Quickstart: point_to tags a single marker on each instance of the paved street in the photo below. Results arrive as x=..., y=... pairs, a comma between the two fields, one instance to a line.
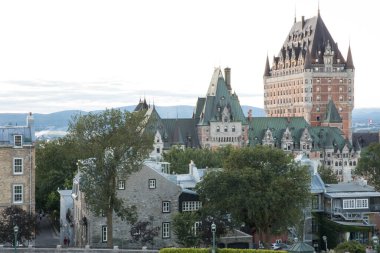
x=46, y=236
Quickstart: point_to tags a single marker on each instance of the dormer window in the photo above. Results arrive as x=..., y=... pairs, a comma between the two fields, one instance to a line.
x=18, y=140
x=218, y=129
x=233, y=129
x=225, y=129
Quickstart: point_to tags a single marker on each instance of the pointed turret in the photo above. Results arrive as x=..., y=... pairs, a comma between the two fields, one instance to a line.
x=332, y=114
x=267, y=68
x=349, y=63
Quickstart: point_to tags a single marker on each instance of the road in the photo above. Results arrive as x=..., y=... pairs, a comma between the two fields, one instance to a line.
x=47, y=237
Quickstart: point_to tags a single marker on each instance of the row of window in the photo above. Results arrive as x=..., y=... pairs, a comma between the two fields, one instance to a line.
x=355, y=203
x=225, y=129
x=165, y=231
x=151, y=184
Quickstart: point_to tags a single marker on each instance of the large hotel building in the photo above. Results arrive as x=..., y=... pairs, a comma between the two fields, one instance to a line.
x=308, y=73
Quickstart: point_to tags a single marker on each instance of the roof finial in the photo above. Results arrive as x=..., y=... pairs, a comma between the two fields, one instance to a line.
x=295, y=12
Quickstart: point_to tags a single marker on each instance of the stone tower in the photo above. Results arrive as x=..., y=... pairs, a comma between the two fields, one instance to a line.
x=307, y=74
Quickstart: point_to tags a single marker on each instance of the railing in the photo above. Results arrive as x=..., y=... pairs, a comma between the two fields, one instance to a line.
x=348, y=215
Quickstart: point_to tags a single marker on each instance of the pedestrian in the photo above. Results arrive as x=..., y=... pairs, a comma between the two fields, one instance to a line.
x=68, y=242
x=65, y=241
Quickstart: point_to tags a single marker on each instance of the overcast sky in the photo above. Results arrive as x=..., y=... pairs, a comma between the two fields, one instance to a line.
x=89, y=55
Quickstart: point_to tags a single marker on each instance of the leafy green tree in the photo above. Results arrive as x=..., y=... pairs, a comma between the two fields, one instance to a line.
x=56, y=163
x=188, y=235
x=261, y=187
x=179, y=159
x=327, y=174
x=144, y=232
x=12, y=216
x=369, y=165
x=350, y=246
x=115, y=143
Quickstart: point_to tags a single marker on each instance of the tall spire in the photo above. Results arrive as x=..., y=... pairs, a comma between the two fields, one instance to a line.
x=319, y=12
x=267, y=68
x=349, y=62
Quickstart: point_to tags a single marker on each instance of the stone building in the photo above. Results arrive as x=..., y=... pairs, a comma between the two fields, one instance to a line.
x=17, y=165
x=308, y=73
x=157, y=196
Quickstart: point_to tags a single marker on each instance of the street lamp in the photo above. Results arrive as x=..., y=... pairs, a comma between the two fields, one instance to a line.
x=375, y=240
x=15, y=231
x=213, y=230
x=325, y=240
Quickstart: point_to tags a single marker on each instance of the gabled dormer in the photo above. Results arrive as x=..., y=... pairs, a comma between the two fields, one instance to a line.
x=268, y=138
x=306, y=140
x=287, y=142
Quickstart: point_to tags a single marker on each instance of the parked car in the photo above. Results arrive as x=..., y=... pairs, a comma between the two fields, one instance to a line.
x=279, y=246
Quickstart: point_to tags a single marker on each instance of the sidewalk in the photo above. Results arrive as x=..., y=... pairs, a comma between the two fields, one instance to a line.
x=47, y=236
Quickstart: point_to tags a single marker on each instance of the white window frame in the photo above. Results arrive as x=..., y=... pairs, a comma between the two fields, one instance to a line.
x=18, y=166
x=361, y=203
x=121, y=185
x=349, y=204
x=14, y=194
x=19, y=142
x=166, y=206
x=188, y=206
x=152, y=183
x=104, y=234
x=165, y=230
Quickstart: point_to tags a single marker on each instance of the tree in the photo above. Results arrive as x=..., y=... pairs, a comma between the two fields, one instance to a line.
x=12, y=216
x=261, y=187
x=56, y=163
x=115, y=143
x=144, y=231
x=369, y=165
x=350, y=246
x=179, y=159
x=184, y=227
x=327, y=175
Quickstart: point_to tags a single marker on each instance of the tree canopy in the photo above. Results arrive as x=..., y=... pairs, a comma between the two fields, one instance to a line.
x=327, y=175
x=115, y=144
x=56, y=163
x=261, y=187
x=179, y=158
x=12, y=216
x=369, y=165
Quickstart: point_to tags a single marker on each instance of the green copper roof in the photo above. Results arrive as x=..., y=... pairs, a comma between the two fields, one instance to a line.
x=218, y=98
x=322, y=137
x=332, y=114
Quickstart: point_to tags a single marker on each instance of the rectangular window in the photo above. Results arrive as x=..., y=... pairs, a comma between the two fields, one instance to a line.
x=121, y=184
x=348, y=204
x=17, y=166
x=152, y=183
x=166, y=206
x=18, y=140
x=17, y=193
x=188, y=206
x=361, y=203
x=104, y=234
x=166, y=230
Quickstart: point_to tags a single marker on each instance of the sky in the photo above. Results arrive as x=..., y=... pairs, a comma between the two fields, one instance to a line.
x=96, y=54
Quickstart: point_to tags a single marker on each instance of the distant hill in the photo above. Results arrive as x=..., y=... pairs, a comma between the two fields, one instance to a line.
x=58, y=121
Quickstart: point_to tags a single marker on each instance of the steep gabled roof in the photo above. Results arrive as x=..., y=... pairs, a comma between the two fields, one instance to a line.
x=218, y=97
x=332, y=114
x=267, y=68
x=311, y=34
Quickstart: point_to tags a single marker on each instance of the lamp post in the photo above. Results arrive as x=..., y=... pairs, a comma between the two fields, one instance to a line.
x=375, y=240
x=213, y=230
x=325, y=240
x=15, y=231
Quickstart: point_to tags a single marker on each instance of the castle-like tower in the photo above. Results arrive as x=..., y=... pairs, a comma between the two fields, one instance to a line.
x=308, y=74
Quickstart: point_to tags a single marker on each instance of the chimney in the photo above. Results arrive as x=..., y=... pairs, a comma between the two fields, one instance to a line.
x=249, y=114
x=191, y=166
x=303, y=22
x=30, y=125
x=227, y=76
